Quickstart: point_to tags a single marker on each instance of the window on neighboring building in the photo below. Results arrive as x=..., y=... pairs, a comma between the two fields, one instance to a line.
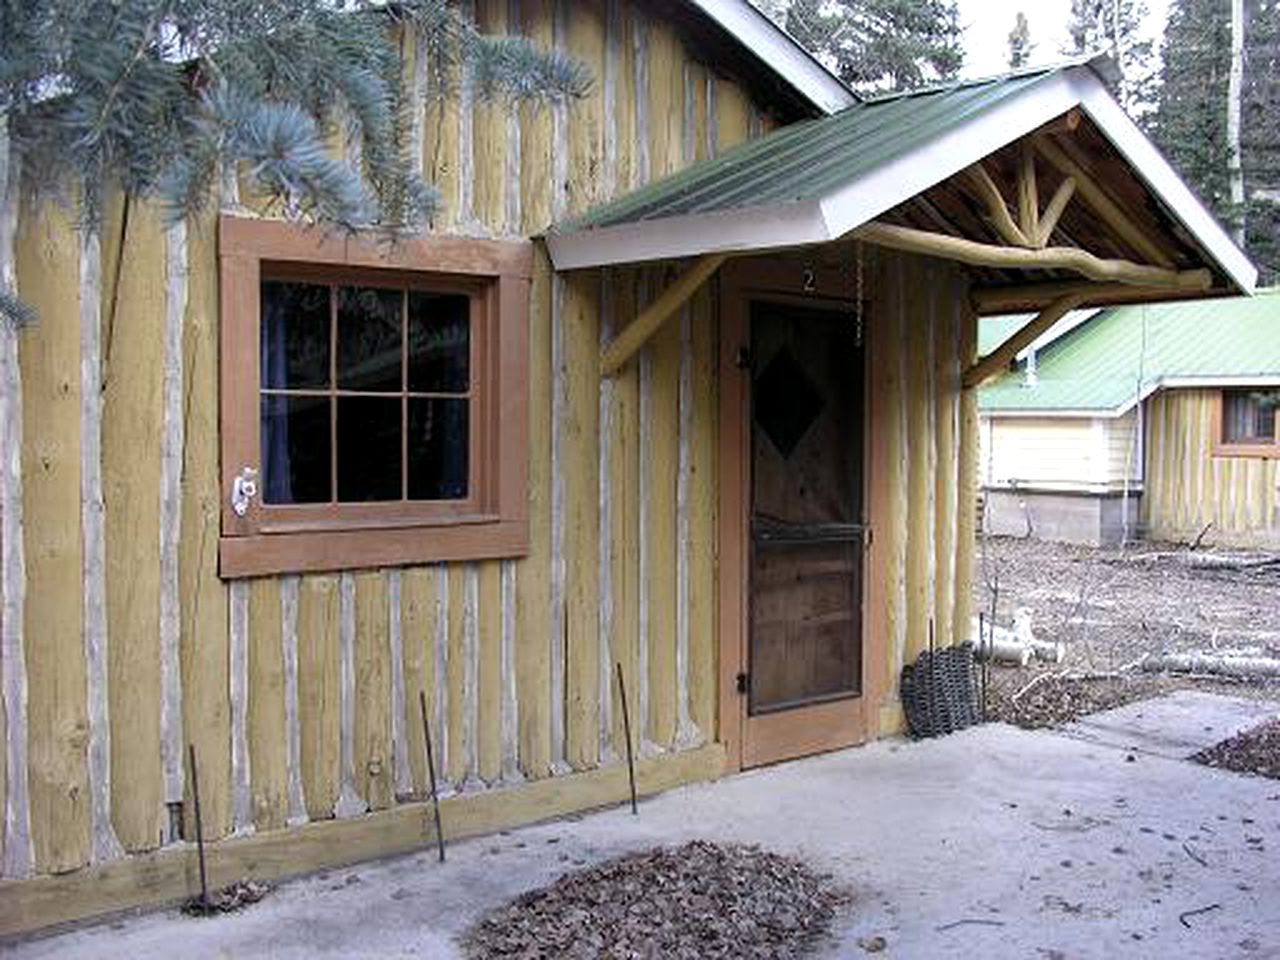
x=371, y=399
x=1248, y=424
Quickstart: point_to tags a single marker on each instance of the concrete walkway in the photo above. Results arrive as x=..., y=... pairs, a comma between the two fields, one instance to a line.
x=995, y=842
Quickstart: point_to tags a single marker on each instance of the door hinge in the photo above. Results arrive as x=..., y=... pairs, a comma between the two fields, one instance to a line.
x=742, y=683
x=743, y=360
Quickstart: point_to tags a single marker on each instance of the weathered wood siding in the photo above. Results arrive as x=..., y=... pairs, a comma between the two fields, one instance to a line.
x=1187, y=487
x=300, y=694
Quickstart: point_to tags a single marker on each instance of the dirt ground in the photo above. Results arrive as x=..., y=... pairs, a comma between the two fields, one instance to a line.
x=1113, y=607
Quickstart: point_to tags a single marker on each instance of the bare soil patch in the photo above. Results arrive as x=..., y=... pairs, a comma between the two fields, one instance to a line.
x=1253, y=751
x=698, y=900
x=1112, y=608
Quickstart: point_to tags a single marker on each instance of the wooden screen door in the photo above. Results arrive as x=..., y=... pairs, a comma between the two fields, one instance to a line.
x=805, y=544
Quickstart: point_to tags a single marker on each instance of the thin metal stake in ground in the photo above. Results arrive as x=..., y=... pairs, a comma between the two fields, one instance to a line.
x=431, y=773
x=626, y=734
x=195, y=799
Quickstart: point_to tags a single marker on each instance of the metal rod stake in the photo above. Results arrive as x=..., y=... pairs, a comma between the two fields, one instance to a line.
x=431, y=773
x=195, y=799
x=626, y=733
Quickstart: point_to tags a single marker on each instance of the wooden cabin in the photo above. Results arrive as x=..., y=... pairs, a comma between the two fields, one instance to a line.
x=681, y=380
x=1154, y=420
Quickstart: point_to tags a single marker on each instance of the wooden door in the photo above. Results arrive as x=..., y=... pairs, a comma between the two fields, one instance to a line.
x=804, y=651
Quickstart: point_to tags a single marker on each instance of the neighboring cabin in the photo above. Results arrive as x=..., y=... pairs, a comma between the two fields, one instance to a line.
x=1166, y=410
x=718, y=428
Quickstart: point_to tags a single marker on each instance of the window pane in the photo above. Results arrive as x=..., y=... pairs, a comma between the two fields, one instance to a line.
x=295, y=449
x=1248, y=416
x=438, y=442
x=295, y=335
x=368, y=448
x=369, y=341
x=439, y=342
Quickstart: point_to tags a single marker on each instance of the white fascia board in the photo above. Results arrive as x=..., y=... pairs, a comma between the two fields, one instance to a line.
x=780, y=52
x=731, y=231
x=1161, y=178
x=1063, y=414
x=1198, y=383
x=892, y=183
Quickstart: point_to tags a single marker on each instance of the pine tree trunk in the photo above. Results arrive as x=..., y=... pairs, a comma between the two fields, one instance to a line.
x=1235, y=94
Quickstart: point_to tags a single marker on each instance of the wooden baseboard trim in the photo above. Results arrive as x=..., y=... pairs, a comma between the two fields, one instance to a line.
x=171, y=875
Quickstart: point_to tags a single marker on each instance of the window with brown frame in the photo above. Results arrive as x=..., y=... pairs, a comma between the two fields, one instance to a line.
x=373, y=399
x=1247, y=423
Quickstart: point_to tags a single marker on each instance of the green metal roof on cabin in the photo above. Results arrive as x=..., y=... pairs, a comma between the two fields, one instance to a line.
x=1097, y=366
x=807, y=160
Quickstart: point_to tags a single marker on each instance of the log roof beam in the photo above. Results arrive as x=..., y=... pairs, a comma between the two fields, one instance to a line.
x=1074, y=259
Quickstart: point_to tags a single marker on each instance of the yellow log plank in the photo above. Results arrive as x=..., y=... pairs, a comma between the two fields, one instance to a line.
x=319, y=696
x=624, y=103
x=132, y=419
x=440, y=157
x=666, y=99
x=533, y=585
x=586, y=115
x=268, y=772
x=663, y=455
x=489, y=688
x=580, y=466
x=48, y=279
x=946, y=378
x=456, y=754
x=418, y=593
x=732, y=114
x=374, y=779
x=967, y=480
x=202, y=597
x=173, y=874
x=624, y=519
x=535, y=131
x=894, y=523
x=703, y=491
x=919, y=439
x=490, y=133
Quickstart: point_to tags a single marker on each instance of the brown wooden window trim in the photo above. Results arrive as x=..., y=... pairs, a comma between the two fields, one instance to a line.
x=492, y=521
x=1222, y=448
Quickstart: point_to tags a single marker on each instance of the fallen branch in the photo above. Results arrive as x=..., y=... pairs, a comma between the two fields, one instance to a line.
x=1001, y=649
x=1182, y=917
x=979, y=921
x=1213, y=665
x=1190, y=852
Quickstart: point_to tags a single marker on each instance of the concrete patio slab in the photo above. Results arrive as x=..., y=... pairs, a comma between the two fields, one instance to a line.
x=1176, y=726
x=994, y=842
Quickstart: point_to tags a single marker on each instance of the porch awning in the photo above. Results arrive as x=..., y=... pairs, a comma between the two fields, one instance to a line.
x=898, y=160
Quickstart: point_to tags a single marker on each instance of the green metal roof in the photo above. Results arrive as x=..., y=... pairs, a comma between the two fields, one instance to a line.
x=807, y=160
x=1124, y=352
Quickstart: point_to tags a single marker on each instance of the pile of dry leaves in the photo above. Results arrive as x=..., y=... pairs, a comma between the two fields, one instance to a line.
x=1254, y=751
x=700, y=900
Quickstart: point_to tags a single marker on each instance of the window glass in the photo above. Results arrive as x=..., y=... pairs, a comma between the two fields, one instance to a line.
x=438, y=449
x=439, y=342
x=295, y=335
x=370, y=343
x=295, y=448
x=369, y=448
x=1249, y=416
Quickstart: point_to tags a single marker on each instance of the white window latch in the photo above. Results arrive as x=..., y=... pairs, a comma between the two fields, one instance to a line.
x=243, y=489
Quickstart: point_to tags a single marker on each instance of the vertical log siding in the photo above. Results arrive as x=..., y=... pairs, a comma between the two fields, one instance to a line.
x=301, y=694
